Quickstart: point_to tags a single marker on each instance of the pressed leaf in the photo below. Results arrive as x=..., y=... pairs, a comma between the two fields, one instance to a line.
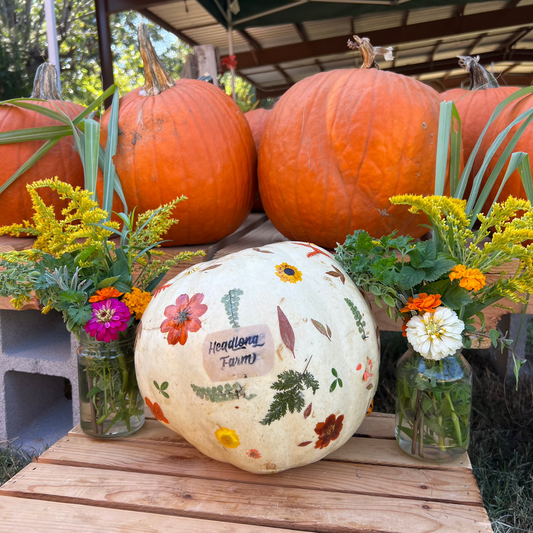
x=329, y=331
x=211, y=267
x=333, y=386
x=334, y=372
x=263, y=251
x=320, y=328
x=308, y=410
x=286, y=331
x=336, y=273
x=306, y=443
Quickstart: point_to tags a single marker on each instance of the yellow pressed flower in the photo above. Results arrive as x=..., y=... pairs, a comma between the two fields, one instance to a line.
x=227, y=437
x=286, y=272
x=137, y=301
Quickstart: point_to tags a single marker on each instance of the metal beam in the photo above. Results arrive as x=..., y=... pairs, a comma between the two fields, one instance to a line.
x=104, y=46
x=166, y=26
x=475, y=44
x=302, y=33
x=116, y=6
x=479, y=22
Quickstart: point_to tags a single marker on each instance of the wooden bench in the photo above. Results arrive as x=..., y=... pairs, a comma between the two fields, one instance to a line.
x=154, y=481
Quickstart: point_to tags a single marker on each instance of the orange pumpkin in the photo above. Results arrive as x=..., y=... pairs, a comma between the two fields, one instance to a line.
x=514, y=186
x=62, y=160
x=477, y=104
x=257, y=119
x=338, y=145
x=185, y=138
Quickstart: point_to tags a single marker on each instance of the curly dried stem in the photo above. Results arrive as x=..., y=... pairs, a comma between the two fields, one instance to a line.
x=369, y=52
x=156, y=77
x=45, y=83
x=479, y=77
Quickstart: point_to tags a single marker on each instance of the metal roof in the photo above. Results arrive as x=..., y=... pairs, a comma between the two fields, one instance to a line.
x=426, y=40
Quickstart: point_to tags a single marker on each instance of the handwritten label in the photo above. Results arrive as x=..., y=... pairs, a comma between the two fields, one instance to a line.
x=238, y=353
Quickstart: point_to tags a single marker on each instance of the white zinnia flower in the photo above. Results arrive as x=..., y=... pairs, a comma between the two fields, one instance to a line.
x=436, y=335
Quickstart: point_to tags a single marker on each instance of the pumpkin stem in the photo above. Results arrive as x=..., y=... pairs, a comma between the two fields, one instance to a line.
x=156, y=78
x=479, y=77
x=45, y=83
x=369, y=52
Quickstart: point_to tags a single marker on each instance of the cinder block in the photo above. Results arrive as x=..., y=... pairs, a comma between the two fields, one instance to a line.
x=503, y=361
x=39, y=400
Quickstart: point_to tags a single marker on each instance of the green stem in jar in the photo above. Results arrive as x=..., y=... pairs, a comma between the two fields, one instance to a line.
x=455, y=420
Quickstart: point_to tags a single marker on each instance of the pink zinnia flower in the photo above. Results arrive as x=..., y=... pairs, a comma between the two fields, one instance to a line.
x=109, y=317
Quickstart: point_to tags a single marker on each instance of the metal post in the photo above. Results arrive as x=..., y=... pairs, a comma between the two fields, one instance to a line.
x=51, y=36
x=104, y=46
x=232, y=70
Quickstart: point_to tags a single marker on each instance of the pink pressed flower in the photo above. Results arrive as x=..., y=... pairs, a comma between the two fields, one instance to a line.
x=109, y=317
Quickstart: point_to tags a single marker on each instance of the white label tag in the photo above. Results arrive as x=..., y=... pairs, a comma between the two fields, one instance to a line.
x=238, y=353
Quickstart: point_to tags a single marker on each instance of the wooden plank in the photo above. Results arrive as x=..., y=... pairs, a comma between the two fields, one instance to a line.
x=21, y=515
x=264, y=234
x=319, y=511
x=436, y=485
x=378, y=426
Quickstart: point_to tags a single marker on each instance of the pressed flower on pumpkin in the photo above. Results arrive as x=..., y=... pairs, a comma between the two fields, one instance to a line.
x=328, y=430
x=254, y=454
x=156, y=410
x=108, y=319
x=423, y=304
x=104, y=294
x=183, y=318
x=137, y=301
x=471, y=279
x=286, y=272
x=227, y=437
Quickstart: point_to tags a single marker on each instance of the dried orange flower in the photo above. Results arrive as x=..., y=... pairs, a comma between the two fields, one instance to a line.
x=423, y=304
x=470, y=279
x=105, y=294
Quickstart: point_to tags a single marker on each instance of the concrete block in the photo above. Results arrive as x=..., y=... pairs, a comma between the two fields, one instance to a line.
x=39, y=400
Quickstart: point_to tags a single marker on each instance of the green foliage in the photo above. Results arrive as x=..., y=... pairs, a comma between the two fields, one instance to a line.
x=231, y=304
x=23, y=47
x=336, y=381
x=290, y=386
x=222, y=393
x=244, y=92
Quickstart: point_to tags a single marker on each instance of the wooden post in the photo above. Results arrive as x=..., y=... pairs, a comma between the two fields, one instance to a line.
x=104, y=46
x=203, y=61
x=51, y=36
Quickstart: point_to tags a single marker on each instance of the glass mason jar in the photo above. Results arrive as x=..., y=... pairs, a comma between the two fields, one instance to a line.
x=433, y=404
x=110, y=402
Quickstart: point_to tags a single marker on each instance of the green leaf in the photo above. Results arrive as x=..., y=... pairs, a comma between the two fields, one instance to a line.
x=110, y=173
x=387, y=298
x=494, y=335
x=164, y=386
x=92, y=392
x=333, y=386
x=25, y=103
x=409, y=277
x=165, y=394
x=92, y=144
x=334, y=372
x=424, y=255
x=46, y=147
x=440, y=267
x=455, y=297
x=156, y=385
x=34, y=134
x=340, y=382
x=108, y=282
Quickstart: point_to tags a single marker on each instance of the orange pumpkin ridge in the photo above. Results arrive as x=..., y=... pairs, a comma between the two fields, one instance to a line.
x=189, y=139
x=338, y=145
x=62, y=160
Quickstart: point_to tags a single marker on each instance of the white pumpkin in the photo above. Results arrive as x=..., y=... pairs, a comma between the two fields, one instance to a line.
x=266, y=359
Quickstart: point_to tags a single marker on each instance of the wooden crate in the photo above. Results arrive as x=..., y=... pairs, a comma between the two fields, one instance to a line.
x=155, y=481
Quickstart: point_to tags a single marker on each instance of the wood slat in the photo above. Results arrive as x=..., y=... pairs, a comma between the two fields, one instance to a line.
x=265, y=234
x=333, y=476
x=20, y=515
x=312, y=510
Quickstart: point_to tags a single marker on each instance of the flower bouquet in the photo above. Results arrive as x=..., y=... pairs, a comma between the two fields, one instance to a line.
x=101, y=287
x=439, y=288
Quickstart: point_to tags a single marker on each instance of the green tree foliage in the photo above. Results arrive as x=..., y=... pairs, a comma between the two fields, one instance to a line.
x=23, y=48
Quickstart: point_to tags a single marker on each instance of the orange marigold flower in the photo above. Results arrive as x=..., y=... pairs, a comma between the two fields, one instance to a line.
x=471, y=279
x=423, y=304
x=105, y=294
x=404, y=329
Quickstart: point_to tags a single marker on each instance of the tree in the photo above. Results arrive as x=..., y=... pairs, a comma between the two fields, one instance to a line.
x=23, y=48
